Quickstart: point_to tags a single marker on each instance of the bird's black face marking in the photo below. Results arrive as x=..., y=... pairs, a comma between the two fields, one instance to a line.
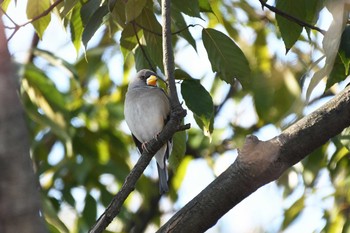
x=145, y=74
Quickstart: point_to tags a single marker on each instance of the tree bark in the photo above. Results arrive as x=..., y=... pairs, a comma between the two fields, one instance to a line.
x=259, y=163
x=19, y=197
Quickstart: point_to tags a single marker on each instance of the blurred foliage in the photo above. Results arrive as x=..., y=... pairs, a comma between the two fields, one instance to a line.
x=81, y=150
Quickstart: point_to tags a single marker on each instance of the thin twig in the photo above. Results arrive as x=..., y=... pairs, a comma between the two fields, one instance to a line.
x=160, y=34
x=147, y=29
x=290, y=17
x=128, y=186
x=44, y=13
x=18, y=26
x=141, y=47
x=168, y=56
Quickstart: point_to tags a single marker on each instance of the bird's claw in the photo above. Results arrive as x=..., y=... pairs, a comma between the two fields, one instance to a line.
x=144, y=147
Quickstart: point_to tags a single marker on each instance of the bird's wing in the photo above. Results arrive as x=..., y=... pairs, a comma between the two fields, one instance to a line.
x=138, y=143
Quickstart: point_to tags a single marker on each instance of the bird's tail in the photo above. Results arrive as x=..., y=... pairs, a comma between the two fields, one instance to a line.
x=163, y=179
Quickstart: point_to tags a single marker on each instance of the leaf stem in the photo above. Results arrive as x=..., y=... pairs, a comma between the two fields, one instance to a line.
x=290, y=17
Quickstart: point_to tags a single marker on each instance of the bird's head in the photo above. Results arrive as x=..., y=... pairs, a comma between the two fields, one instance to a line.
x=144, y=77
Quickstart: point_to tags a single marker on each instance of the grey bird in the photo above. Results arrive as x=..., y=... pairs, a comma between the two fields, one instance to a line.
x=146, y=111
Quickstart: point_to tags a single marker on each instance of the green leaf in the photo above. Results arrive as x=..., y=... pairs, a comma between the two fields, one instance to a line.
x=312, y=10
x=118, y=14
x=51, y=215
x=293, y=212
x=34, y=9
x=188, y=7
x=181, y=75
x=58, y=62
x=344, y=49
x=199, y=101
x=141, y=61
x=39, y=93
x=179, y=25
x=76, y=28
x=338, y=73
x=88, y=9
x=205, y=6
x=151, y=40
x=226, y=57
x=313, y=163
x=90, y=209
x=133, y=9
x=5, y=4
x=94, y=23
x=290, y=31
x=37, y=79
x=69, y=6
x=128, y=39
x=181, y=172
x=179, y=149
x=344, y=138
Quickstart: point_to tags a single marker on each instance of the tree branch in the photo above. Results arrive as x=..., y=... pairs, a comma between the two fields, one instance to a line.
x=173, y=125
x=290, y=17
x=168, y=56
x=160, y=34
x=259, y=163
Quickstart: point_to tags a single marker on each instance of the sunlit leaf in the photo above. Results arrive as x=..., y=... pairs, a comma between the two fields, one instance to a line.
x=76, y=29
x=204, y=6
x=38, y=80
x=128, y=38
x=34, y=9
x=293, y=212
x=51, y=216
x=313, y=163
x=199, y=101
x=179, y=149
x=58, y=62
x=69, y=6
x=226, y=57
x=181, y=172
x=344, y=137
x=5, y=4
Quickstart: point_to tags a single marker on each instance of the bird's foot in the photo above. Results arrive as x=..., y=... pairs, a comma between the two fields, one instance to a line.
x=144, y=147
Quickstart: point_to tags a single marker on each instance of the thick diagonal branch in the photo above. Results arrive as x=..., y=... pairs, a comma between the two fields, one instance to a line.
x=259, y=163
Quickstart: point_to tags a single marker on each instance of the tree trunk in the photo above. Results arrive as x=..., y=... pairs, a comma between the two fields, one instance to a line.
x=19, y=196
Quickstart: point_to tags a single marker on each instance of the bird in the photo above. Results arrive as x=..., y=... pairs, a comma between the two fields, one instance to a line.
x=146, y=111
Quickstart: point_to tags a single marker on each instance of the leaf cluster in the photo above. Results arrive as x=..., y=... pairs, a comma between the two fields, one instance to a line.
x=80, y=146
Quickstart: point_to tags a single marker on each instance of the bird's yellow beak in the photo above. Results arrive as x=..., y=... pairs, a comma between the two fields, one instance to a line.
x=152, y=81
